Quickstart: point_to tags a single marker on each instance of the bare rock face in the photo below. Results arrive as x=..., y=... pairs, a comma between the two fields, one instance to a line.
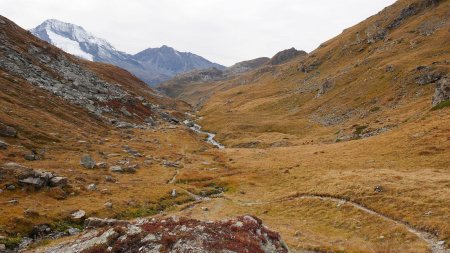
x=242, y=234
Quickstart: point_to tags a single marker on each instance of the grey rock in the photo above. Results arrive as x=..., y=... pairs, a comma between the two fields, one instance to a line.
x=325, y=87
x=110, y=179
x=442, y=91
x=2, y=247
x=117, y=169
x=426, y=75
x=3, y=145
x=10, y=187
x=169, y=118
x=132, y=152
x=13, y=202
x=32, y=156
x=92, y=187
x=378, y=188
x=93, y=222
x=73, y=231
x=124, y=110
x=87, y=161
x=124, y=125
x=108, y=205
x=150, y=121
x=7, y=131
x=58, y=181
x=173, y=193
x=167, y=163
x=32, y=181
x=78, y=215
x=102, y=165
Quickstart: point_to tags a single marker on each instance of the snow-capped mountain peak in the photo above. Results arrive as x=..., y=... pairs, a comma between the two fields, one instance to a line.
x=152, y=65
x=73, y=39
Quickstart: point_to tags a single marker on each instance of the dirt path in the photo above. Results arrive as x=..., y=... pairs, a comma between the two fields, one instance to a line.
x=174, y=178
x=433, y=242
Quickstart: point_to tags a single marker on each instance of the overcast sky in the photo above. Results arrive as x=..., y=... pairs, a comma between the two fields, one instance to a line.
x=223, y=31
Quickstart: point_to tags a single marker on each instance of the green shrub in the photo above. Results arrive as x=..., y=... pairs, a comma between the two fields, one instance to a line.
x=441, y=105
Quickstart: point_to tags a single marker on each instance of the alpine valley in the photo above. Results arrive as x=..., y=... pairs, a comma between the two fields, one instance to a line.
x=342, y=149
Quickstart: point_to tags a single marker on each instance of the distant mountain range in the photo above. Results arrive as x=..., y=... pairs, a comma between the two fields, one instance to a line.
x=152, y=65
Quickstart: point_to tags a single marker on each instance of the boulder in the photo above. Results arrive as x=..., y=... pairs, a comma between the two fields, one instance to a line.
x=78, y=215
x=7, y=131
x=93, y=222
x=35, y=182
x=58, y=182
x=87, y=161
x=31, y=156
x=108, y=205
x=10, y=187
x=3, y=145
x=102, y=165
x=117, y=169
x=92, y=187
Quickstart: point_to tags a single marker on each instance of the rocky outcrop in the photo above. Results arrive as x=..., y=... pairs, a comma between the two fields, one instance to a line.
x=242, y=234
x=286, y=55
x=325, y=87
x=16, y=174
x=442, y=91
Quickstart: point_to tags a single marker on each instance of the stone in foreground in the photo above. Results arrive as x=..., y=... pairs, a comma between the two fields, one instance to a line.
x=242, y=234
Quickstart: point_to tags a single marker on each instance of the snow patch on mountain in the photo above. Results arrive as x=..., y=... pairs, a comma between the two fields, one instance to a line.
x=68, y=45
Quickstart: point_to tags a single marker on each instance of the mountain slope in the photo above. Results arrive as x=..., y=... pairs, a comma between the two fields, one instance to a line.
x=77, y=135
x=356, y=119
x=152, y=65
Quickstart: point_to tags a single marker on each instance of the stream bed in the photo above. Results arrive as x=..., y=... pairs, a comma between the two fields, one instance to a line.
x=198, y=129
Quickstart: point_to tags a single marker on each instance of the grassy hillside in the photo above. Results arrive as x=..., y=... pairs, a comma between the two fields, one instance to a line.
x=355, y=120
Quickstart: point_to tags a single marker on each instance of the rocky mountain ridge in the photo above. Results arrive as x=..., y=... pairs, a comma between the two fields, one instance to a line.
x=152, y=65
x=175, y=86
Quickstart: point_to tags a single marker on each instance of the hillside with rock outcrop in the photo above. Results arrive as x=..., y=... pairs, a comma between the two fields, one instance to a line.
x=242, y=234
x=395, y=62
x=81, y=139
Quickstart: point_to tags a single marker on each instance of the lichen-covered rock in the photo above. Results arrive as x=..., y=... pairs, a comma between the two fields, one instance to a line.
x=242, y=234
